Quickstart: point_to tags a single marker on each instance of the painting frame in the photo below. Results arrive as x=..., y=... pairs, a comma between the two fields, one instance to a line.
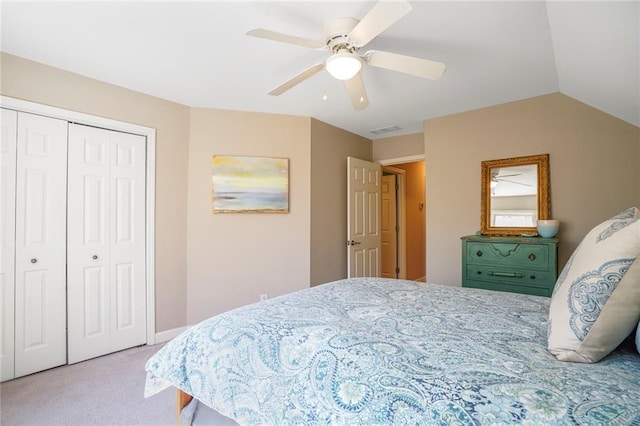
x=249, y=184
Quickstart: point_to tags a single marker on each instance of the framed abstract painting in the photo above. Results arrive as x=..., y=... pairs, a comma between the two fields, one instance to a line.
x=243, y=184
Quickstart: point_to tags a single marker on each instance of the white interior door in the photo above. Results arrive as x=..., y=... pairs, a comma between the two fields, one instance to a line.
x=389, y=228
x=106, y=242
x=363, y=218
x=9, y=121
x=40, y=281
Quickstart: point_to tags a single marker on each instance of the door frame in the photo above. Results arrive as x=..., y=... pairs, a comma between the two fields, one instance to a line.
x=109, y=124
x=388, y=165
x=401, y=218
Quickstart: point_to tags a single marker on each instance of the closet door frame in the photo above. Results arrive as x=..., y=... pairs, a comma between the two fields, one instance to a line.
x=150, y=134
x=8, y=172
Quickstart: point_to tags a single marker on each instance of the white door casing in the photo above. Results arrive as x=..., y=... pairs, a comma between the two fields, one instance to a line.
x=401, y=219
x=363, y=218
x=40, y=275
x=388, y=166
x=9, y=121
x=388, y=228
x=106, y=242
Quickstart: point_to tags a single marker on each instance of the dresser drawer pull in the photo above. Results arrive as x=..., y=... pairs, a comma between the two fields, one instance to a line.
x=479, y=253
x=532, y=257
x=506, y=274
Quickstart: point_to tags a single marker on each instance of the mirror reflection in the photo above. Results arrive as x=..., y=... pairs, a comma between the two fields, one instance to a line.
x=515, y=194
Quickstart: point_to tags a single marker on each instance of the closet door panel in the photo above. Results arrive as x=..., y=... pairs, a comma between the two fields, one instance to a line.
x=40, y=275
x=8, y=137
x=109, y=213
x=88, y=243
x=95, y=303
x=127, y=236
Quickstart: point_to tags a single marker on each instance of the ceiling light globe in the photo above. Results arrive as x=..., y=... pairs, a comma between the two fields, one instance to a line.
x=343, y=65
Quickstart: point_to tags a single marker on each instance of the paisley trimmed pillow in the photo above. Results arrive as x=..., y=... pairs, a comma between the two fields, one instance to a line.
x=638, y=338
x=596, y=300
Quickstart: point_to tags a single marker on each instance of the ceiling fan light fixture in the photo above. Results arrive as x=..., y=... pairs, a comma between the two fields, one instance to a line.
x=343, y=65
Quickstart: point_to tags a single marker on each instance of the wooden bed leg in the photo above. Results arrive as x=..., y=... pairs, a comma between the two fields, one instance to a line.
x=182, y=399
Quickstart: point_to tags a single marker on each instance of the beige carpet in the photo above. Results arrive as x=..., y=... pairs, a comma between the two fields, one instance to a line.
x=102, y=391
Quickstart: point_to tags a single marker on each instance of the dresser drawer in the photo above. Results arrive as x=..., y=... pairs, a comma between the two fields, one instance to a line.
x=515, y=264
x=511, y=276
x=517, y=255
x=523, y=289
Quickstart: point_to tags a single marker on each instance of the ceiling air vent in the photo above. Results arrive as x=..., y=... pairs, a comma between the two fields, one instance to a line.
x=383, y=130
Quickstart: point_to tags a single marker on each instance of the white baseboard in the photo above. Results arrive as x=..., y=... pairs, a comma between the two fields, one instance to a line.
x=165, y=336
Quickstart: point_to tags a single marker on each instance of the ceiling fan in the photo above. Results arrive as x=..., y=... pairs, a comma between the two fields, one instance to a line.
x=496, y=178
x=343, y=38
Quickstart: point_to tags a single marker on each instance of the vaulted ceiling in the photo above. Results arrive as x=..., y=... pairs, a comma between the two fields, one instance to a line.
x=197, y=54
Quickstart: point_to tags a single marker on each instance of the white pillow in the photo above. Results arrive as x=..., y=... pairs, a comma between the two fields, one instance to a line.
x=596, y=300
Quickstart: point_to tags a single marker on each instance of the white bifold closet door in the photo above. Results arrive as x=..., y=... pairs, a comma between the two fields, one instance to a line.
x=106, y=242
x=33, y=258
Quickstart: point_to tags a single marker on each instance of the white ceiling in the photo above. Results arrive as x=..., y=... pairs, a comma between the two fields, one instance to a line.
x=197, y=54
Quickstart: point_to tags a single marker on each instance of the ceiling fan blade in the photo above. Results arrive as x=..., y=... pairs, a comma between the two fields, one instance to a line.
x=406, y=64
x=513, y=181
x=357, y=93
x=297, y=79
x=511, y=175
x=380, y=17
x=285, y=38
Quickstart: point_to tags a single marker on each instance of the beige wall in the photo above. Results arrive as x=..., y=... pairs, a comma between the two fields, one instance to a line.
x=42, y=84
x=233, y=258
x=398, y=147
x=330, y=148
x=415, y=236
x=595, y=172
x=594, y=159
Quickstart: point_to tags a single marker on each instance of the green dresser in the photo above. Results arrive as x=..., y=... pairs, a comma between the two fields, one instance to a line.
x=517, y=264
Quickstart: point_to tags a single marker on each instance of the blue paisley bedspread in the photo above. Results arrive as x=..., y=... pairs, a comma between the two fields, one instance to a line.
x=375, y=351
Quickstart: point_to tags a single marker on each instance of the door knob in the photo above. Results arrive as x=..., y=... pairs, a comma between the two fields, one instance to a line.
x=34, y=260
x=353, y=242
x=95, y=256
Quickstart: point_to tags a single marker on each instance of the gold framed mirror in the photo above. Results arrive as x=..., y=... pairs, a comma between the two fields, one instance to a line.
x=514, y=195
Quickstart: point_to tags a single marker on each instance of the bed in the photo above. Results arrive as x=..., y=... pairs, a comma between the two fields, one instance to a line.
x=381, y=351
